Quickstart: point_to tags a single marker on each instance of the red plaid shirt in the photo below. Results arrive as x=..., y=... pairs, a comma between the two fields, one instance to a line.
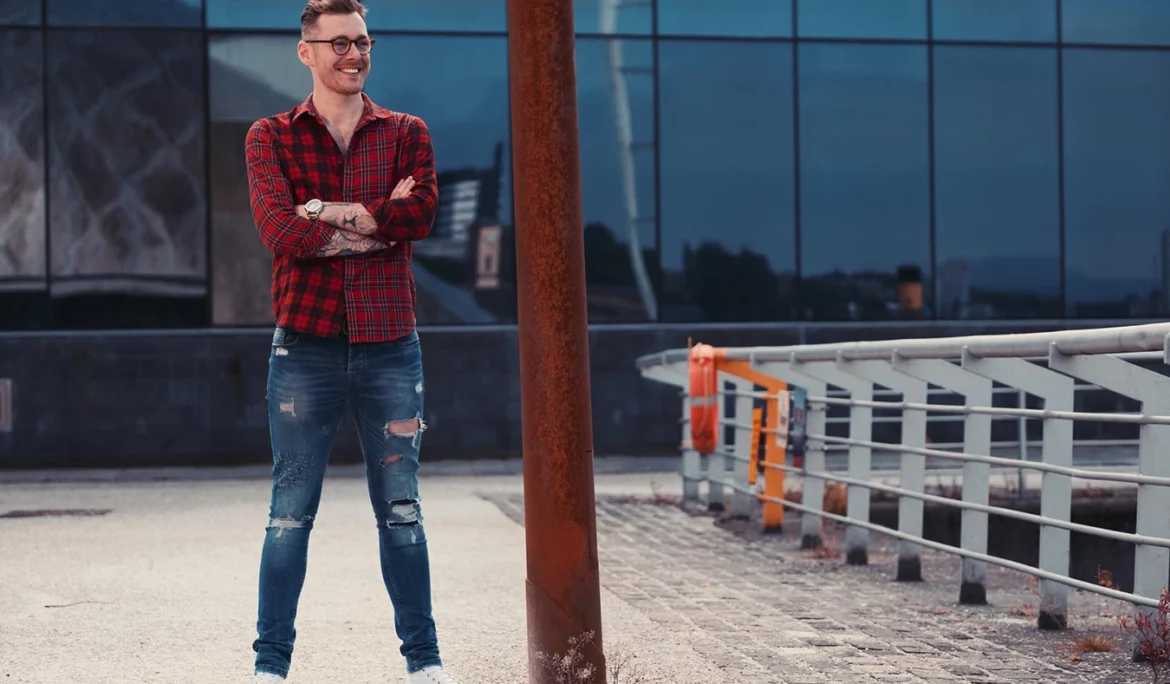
x=291, y=159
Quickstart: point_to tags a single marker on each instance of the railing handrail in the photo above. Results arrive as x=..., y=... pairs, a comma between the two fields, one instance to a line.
x=1117, y=340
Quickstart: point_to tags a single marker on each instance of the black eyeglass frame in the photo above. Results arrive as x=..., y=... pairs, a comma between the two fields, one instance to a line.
x=346, y=43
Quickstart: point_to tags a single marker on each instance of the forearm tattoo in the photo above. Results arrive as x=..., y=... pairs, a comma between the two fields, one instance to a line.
x=352, y=218
x=342, y=243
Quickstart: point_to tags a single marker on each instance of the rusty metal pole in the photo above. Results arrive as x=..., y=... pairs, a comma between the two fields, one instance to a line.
x=563, y=588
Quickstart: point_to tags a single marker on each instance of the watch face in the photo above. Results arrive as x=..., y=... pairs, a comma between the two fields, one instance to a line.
x=313, y=206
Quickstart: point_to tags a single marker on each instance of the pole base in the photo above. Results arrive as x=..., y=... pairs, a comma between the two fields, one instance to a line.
x=551, y=637
x=810, y=541
x=909, y=569
x=973, y=594
x=1052, y=622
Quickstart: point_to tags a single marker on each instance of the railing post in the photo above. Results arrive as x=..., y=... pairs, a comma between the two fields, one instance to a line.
x=976, y=476
x=910, y=509
x=692, y=464
x=860, y=457
x=1056, y=390
x=812, y=488
x=742, y=502
x=1022, y=430
x=1151, y=563
x=716, y=463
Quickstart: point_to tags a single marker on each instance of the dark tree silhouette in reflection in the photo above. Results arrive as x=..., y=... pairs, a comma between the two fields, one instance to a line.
x=727, y=286
x=609, y=276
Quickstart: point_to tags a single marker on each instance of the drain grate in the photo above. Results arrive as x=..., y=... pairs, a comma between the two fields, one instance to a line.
x=5, y=405
x=55, y=512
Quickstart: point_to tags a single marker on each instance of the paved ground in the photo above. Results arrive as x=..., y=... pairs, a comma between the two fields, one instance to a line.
x=763, y=611
x=161, y=588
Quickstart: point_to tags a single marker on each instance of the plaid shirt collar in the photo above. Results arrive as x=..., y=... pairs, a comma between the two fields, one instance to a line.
x=370, y=112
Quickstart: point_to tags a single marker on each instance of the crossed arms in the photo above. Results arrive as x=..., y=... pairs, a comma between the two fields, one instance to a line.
x=342, y=228
x=353, y=224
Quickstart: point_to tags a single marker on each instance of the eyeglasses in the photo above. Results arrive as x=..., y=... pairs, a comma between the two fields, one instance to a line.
x=341, y=45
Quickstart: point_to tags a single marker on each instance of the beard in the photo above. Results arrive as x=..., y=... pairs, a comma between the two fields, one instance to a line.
x=344, y=83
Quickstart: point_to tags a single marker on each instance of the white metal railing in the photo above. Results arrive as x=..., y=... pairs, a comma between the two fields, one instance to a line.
x=1123, y=360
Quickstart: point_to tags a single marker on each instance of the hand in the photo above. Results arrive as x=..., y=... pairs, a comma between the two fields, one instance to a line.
x=300, y=211
x=403, y=188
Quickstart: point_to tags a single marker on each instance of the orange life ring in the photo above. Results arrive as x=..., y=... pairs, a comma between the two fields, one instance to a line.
x=704, y=396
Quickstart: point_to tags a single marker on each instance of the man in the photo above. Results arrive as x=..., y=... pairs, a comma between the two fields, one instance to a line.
x=340, y=189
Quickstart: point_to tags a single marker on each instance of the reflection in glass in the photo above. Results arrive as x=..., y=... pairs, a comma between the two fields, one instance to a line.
x=615, y=97
x=1125, y=22
x=126, y=165
x=1117, y=169
x=463, y=270
x=997, y=181
x=865, y=174
x=727, y=18
x=862, y=19
x=181, y=13
x=20, y=12
x=612, y=16
x=1000, y=20
x=728, y=237
x=387, y=15
x=22, y=179
x=22, y=182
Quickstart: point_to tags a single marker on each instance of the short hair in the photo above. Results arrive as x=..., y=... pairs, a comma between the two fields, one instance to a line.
x=315, y=8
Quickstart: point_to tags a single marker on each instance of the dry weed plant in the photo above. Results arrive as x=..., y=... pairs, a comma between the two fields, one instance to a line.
x=571, y=668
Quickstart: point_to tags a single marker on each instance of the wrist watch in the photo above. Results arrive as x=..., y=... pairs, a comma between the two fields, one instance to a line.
x=313, y=208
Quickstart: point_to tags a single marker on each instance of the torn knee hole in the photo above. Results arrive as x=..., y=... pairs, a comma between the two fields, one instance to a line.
x=391, y=459
x=404, y=428
x=403, y=512
x=289, y=523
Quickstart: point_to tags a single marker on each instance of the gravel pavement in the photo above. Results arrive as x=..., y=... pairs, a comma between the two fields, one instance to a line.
x=161, y=589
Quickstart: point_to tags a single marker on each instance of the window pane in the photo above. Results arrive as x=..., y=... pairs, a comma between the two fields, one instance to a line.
x=612, y=16
x=865, y=173
x=126, y=183
x=616, y=119
x=125, y=13
x=20, y=12
x=997, y=188
x=1117, y=169
x=22, y=182
x=729, y=18
x=1006, y=20
x=384, y=15
x=251, y=77
x=1132, y=22
x=862, y=19
x=463, y=269
x=727, y=181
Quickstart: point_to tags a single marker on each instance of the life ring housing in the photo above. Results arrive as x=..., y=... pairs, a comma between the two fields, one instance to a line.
x=704, y=396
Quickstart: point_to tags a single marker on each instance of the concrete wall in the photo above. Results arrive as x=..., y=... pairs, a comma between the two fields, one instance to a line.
x=197, y=397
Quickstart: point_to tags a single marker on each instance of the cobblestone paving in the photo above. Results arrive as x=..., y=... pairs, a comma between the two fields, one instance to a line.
x=765, y=612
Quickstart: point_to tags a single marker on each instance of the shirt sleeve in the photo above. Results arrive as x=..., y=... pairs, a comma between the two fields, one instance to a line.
x=281, y=230
x=410, y=218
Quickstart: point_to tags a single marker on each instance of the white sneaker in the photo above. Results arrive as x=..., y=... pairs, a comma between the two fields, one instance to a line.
x=431, y=675
x=267, y=678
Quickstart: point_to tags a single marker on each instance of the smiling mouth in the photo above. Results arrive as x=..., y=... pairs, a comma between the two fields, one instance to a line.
x=353, y=71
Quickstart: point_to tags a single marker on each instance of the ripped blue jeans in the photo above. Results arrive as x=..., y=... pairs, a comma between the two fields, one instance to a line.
x=309, y=380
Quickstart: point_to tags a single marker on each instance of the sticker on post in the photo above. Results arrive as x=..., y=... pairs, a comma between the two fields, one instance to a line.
x=797, y=437
x=782, y=414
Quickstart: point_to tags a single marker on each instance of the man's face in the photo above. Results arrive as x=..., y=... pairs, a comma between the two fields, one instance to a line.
x=344, y=74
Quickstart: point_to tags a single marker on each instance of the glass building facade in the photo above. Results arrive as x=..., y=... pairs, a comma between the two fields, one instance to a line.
x=749, y=161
